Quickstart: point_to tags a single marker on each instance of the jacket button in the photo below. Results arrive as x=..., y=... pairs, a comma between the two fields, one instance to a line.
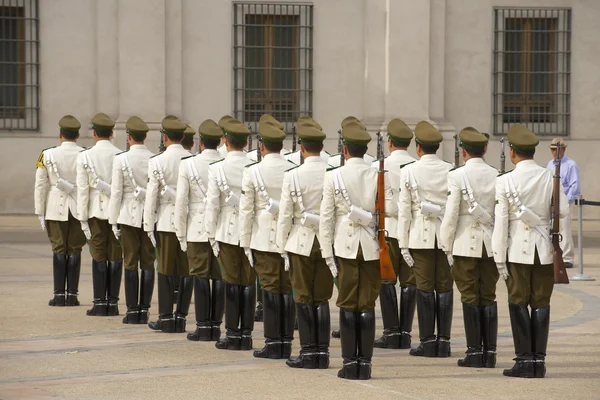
x=526, y=228
x=301, y=245
x=348, y=247
x=524, y=252
x=472, y=248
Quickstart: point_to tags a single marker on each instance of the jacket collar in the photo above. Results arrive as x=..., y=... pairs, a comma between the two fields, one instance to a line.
x=355, y=161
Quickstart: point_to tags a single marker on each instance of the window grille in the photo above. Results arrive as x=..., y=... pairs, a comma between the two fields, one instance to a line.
x=532, y=66
x=272, y=61
x=19, y=65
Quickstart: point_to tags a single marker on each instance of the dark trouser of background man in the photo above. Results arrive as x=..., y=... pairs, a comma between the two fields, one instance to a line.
x=137, y=250
x=67, y=240
x=397, y=326
x=107, y=268
x=210, y=305
x=278, y=304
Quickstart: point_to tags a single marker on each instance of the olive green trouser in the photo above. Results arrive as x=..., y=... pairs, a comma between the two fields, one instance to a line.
x=170, y=255
x=432, y=271
x=235, y=267
x=476, y=279
x=104, y=246
x=66, y=237
x=137, y=248
x=403, y=272
x=202, y=261
x=359, y=282
x=270, y=268
x=310, y=277
x=530, y=284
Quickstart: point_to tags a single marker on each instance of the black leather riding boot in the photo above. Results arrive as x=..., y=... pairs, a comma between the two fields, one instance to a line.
x=186, y=289
x=388, y=299
x=272, y=324
x=489, y=333
x=73, y=273
x=217, y=308
x=146, y=290
x=366, y=336
x=472, y=321
x=258, y=313
x=202, y=305
x=248, y=308
x=520, y=322
x=59, y=272
x=99, y=273
x=323, y=327
x=349, y=338
x=307, y=330
x=115, y=270
x=132, y=285
x=165, y=322
x=426, y=315
x=288, y=321
x=444, y=304
x=540, y=326
x=233, y=335
x=408, y=304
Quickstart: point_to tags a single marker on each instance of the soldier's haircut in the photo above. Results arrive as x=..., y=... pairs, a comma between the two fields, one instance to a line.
x=103, y=133
x=273, y=147
x=176, y=137
x=137, y=137
x=187, y=142
x=356, y=150
x=210, y=143
x=527, y=154
x=69, y=135
x=236, y=144
x=313, y=147
x=430, y=149
x=473, y=151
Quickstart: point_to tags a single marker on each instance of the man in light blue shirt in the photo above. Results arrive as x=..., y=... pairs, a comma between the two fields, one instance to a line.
x=569, y=176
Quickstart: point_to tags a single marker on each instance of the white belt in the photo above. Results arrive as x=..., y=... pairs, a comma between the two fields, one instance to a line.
x=197, y=206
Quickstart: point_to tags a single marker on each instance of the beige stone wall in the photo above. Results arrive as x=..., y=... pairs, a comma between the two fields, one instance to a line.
x=375, y=59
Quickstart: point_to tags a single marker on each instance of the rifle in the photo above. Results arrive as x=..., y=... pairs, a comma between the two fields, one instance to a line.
x=386, y=268
x=161, y=146
x=456, y=152
x=294, y=139
x=258, y=155
x=560, y=273
x=341, y=148
x=503, y=156
x=250, y=138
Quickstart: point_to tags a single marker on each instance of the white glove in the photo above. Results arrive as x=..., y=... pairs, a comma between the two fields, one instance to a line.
x=152, y=238
x=182, y=243
x=116, y=231
x=215, y=246
x=450, y=259
x=502, y=270
x=286, y=261
x=85, y=227
x=407, y=257
x=42, y=222
x=248, y=253
x=331, y=264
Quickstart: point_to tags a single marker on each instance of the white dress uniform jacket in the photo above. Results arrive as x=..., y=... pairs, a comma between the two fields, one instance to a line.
x=252, y=155
x=416, y=231
x=222, y=150
x=460, y=231
x=258, y=227
x=158, y=209
x=91, y=203
x=221, y=218
x=295, y=156
x=339, y=234
x=335, y=160
x=533, y=185
x=292, y=236
x=192, y=191
x=49, y=201
x=124, y=208
x=392, y=165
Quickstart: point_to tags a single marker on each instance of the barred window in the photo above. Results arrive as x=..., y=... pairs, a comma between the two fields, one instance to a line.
x=272, y=61
x=532, y=65
x=19, y=65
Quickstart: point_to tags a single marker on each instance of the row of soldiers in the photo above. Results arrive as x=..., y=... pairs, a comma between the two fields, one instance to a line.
x=219, y=219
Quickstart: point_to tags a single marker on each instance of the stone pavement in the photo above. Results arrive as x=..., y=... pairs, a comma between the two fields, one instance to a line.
x=50, y=353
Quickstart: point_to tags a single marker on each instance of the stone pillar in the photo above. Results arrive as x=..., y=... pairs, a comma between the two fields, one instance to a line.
x=375, y=66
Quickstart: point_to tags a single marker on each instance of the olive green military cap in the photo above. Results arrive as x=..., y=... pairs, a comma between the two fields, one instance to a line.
x=189, y=131
x=521, y=138
x=172, y=124
x=136, y=125
x=268, y=118
x=310, y=133
x=305, y=120
x=69, y=123
x=236, y=129
x=102, y=122
x=355, y=134
x=270, y=133
x=399, y=132
x=471, y=137
x=352, y=119
x=224, y=119
x=209, y=129
x=557, y=142
x=427, y=135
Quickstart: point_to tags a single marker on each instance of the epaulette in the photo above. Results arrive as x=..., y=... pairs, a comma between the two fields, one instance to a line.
x=121, y=152
x=185, y=158
x=40, y=161
x=84, y=149
x=218, y=161
x=332, y=168
x=251, y=164
x=288, y=153
x=294, y=167
x=460, y=166
x=291, y=162
x=448, y=162
x=506, y=172
x=326, y=152
x=158, y=154
x=52, y=147
x=404, y=165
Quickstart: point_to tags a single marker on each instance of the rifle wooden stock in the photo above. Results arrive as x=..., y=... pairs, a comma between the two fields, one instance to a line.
x=456, y=151
x=560, y=273
x=386, y=268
